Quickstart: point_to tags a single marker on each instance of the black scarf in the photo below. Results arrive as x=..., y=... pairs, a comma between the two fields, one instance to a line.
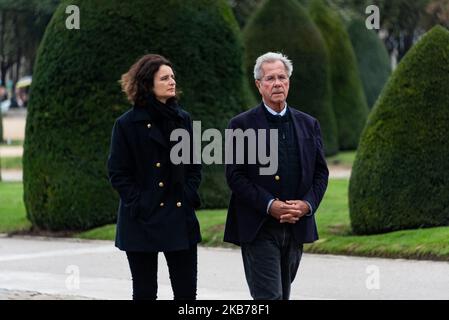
x=168, y=117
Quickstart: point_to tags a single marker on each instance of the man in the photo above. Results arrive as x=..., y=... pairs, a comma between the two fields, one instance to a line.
x=271, y=216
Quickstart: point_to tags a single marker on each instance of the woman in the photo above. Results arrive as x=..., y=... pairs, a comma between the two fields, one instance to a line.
x=157, y=198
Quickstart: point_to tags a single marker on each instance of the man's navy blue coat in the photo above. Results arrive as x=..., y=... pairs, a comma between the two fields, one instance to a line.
x=251, y=192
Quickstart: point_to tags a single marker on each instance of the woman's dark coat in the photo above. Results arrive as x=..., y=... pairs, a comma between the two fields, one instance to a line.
x=139, y=165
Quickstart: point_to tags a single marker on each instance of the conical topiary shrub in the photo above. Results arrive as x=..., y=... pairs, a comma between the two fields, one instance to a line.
x=284, y=26
x=348, y=98
x=76, y=96
x=372, y=59
x=400, y=178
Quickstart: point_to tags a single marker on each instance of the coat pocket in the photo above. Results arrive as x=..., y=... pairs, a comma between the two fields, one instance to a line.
x=134, y=211
x=130, y=210
x=148, y=201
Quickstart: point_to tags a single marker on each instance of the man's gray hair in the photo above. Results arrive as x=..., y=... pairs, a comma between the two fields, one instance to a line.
x=272, y=57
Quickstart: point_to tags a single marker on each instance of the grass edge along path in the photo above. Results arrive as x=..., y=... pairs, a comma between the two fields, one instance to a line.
x=332, y=220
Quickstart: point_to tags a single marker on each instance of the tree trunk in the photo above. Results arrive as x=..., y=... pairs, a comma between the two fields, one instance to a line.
x=2, y=47
x=17, y=37
x=406, y=43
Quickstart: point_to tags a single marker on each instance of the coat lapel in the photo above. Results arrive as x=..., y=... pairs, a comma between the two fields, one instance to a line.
x=261, y=122
x=156, y=134
x=260, y=118
x=142, y=118
x=300, y=136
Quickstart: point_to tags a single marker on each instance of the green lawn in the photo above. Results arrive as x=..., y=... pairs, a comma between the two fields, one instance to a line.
x=332, y=219
x=211, y=221
x=12, y=209
x=11, y=163
x=12, y=143
x=336, y=238
x=335, y=232
x=345, y=159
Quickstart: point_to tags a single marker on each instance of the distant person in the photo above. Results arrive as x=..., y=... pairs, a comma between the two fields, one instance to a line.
x=271, y=217
x=21, y=97
x=14, y=103
x=25, y=96
x=3, y=94
x=157, y=197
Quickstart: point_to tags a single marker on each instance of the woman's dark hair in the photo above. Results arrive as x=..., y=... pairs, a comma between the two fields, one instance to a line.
x=138, y=82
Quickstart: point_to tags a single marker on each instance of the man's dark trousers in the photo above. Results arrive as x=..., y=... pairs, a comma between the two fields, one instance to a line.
x=271, y=261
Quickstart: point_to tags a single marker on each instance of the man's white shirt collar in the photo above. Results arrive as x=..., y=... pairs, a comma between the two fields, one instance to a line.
x=274, y=112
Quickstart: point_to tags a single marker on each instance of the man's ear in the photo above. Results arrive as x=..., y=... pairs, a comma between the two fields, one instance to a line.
x=257, y=82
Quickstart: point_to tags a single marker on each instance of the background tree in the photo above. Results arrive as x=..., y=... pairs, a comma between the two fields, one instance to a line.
x=372, y=58
x=401, y=21
x=348, y=98
x=1, y=127
x=400, y=177
x=285, y=26
x=243, y=9
x=22, y=25
x=436, y=12
x=76, y=97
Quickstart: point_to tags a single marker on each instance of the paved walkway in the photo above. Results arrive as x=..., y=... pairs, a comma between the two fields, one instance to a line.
x=16, y=175
x=11, y=151
x=339, y=172
x=39, y=268
x=335, y=172
x=32, y=295
x=11, y=175
x=14, y=125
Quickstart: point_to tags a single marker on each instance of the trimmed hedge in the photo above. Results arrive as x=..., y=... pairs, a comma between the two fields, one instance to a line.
x=348, y=98
x=400, y=177
x=284, y=26
x=372, y=59
x=76, y=97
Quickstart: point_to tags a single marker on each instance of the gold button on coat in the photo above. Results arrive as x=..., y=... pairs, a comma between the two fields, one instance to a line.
x=161, y=184
x=178, y=204
x=158, y=164
x=277, y=178
x=161, y=204
x=149, y=125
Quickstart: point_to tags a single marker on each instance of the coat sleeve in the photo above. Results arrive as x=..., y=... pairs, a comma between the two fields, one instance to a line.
x=120, y=169
x=241, y=186
x=320, y=175
x=192, y=173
